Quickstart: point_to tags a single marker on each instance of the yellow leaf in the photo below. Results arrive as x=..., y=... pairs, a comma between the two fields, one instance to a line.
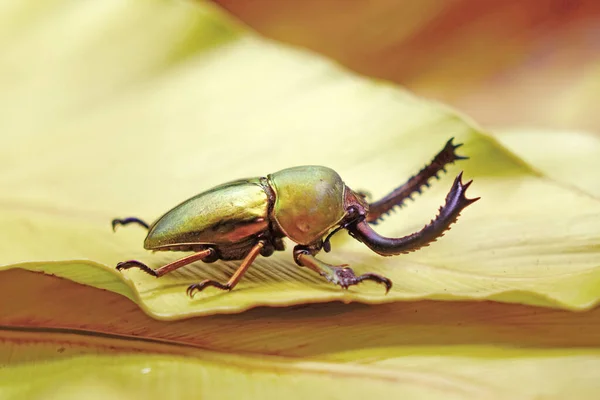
x=134, y=130
x=565, y=374
x=571, y=158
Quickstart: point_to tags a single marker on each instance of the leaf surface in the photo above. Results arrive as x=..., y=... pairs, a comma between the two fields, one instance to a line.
x=571, y=158
x=138, y=133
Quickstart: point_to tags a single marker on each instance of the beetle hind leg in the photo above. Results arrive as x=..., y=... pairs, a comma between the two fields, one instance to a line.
x=248, y=260
x=340, y=275
x=205, y=254
x=415, y=185
x=126, y=221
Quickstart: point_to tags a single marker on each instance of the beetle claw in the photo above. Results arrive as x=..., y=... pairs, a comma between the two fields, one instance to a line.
x=345, y=277
x=377, y=278
x=203, y=285
x=190, y=290
x=136, y=264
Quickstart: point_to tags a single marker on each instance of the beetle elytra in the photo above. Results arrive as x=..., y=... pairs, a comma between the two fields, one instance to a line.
x=243, y=219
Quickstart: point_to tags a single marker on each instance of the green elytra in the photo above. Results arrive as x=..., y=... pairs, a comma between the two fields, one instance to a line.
x=308, y=201
x=245, y=218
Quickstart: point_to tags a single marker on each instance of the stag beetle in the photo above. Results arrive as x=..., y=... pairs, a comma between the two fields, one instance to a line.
x=308, y=204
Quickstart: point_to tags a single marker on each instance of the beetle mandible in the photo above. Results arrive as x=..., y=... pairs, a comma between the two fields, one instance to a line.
x=308, y=204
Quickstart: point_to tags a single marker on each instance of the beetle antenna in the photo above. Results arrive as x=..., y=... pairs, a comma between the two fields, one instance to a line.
x=353, y=217
x=327, y=243
x=125, y=221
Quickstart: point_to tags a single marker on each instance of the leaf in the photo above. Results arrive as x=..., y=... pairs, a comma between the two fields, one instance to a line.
x=157, y=377
x=567, y=157
x=414, y=350
x=138, y=140
x=504, y=63
x=292, y=331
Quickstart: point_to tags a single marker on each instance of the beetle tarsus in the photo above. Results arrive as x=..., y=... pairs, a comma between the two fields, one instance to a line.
x=340, y=275
x=136, y=264
x=377, y=278
x=125, y=221
x=345, y=277
x=204, y=284
x=415, y=184
x=204, y=254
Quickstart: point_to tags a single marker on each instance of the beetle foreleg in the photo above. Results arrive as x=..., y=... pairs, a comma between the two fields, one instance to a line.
x=416, y=183
x=254, y=252
x=448, y=214
x=337, y=274
x=125, y=221
x=165, y=269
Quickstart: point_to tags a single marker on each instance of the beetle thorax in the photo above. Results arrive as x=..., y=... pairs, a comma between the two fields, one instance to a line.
x=309, y=202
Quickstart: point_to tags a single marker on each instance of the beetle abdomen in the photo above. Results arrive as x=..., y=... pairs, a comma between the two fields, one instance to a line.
x=229, y=213
x=309, y=201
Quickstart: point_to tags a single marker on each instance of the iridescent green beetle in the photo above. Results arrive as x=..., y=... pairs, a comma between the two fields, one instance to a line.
x=308, y=204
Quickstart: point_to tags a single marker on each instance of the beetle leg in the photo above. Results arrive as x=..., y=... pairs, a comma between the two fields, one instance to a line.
x=165, y=269
x=250, y=257
x=448, y=214
x=125, y=221
x=337, y=274
x=416, y=183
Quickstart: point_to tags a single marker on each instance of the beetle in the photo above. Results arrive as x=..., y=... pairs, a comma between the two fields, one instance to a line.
x=243, y=219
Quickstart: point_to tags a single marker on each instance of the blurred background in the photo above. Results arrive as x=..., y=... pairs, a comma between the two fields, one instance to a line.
x=504, y=63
